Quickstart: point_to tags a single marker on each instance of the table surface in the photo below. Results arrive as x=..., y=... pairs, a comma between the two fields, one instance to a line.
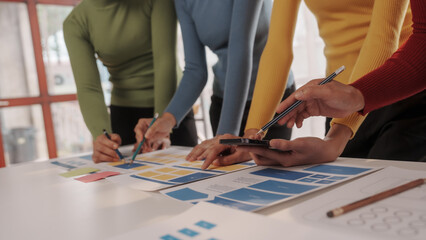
x=37, y=203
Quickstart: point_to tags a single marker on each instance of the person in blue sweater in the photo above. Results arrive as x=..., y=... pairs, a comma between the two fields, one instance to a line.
x=236, y=31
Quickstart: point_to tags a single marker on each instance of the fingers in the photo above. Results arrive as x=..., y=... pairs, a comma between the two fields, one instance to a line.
x=141, y=128
x=314, y=91
x=104, y=149
x=234, y=157
x=116, y=138
x=263, y=161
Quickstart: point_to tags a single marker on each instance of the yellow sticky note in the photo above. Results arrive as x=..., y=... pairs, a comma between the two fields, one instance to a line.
x=164, y=177
x=115, y=163
x=142, y=167
x=166, y=170
x=148, y=174
x=227, y=168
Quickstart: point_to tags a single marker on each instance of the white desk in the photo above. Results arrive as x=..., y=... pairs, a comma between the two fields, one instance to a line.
x=37, y=203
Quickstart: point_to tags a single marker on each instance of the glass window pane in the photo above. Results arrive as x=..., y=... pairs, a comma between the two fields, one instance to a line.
x=71, y=133
x=18, y=74
x=59, y=75
x=24, y=137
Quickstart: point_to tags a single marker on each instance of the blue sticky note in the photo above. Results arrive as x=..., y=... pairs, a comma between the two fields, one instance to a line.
x=186, y=194
x=87, y=157
x=129, y=166
x=169, y=237
x=205, y=224
x=253, y=196
x=62, y=164
x=283, y=187
x=281, y=174
x=188, y=232
x=333, y=169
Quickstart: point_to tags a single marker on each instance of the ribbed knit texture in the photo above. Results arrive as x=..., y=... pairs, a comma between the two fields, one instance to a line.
x=360, y=34
x=236, y=32
x=136, y=41
x=404, y=74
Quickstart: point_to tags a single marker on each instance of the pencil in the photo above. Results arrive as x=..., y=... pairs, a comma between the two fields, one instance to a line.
x=143, y=139
x=374, y=198
x=116, y=150
x=298, y=102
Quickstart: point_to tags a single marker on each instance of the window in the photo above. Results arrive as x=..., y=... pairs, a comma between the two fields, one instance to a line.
x=39, y=113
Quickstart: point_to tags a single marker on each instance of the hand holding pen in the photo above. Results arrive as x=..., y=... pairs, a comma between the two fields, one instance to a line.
x=138, y=133
x=286, y=107
x=105, y=148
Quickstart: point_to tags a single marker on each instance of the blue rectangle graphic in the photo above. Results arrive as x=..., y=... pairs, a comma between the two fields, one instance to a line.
x=205, y=224
x=188, y=232
x=283, y=187
x=186, y=194
x=192, y=177
x=253, y=196
x=169, y=237
x=130, y=166
x=333, y=169
x=281, y=174
x=234, y=204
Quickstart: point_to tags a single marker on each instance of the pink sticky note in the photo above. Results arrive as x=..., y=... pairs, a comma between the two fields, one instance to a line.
x=97, y=176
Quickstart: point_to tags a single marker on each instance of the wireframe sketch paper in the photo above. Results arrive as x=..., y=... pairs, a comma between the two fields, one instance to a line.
x=150, y=171
x=209, y=221
x=402, y=216
x=258, y=187
x=166, y=168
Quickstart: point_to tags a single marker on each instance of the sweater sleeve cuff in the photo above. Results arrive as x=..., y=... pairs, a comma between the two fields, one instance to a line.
x=352, y=121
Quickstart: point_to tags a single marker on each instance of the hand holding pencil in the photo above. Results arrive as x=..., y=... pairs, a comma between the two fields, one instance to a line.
x=156, y=132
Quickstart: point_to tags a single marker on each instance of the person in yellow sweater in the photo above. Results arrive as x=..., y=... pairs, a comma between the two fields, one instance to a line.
x=360, y=34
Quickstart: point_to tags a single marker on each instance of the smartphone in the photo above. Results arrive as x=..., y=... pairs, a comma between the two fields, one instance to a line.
x=245, y=141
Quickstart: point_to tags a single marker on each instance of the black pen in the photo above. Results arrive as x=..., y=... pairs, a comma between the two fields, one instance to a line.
x=298, y=102
x=116, y=150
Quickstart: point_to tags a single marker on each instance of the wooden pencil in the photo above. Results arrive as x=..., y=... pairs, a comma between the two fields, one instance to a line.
x=374, y=198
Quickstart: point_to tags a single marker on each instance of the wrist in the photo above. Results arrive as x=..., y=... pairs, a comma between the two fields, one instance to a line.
x=358, y=98
x=169, y=119
x=338, y=135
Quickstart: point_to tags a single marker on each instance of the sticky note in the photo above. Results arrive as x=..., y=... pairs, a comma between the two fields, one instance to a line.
x=79, y=171
x=97, y=176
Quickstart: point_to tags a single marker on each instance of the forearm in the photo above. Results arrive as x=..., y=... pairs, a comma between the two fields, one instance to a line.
x=402, y=76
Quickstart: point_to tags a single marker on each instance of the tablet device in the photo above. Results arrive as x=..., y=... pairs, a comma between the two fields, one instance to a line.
x=245, y=141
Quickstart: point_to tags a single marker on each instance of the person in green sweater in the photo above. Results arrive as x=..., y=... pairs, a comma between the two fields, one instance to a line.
x=136, y=41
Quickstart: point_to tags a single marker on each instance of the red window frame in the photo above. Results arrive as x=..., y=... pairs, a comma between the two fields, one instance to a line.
x=44, y=99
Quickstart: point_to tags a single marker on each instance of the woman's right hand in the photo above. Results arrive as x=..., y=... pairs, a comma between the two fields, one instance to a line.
x=104, y=148
x=159, y=132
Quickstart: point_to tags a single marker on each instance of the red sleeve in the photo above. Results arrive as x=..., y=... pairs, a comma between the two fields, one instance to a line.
x=404, y=74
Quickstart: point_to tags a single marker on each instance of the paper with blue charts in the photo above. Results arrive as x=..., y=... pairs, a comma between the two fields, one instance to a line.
x=259, y=187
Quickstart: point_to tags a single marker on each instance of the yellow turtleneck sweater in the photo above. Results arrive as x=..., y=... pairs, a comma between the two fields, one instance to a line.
x=360, y=34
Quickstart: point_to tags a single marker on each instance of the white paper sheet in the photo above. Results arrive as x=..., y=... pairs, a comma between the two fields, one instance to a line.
x=255, y=188
x=210, y=221
x=165, y=168
x=402, y=216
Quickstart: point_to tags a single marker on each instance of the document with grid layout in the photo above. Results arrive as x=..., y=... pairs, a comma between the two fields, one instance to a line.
x=165, y=168
x=259, y=187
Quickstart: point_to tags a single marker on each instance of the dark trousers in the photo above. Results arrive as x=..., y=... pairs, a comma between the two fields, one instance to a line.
x=394, y=132
x=275, y=131
x=124, y=120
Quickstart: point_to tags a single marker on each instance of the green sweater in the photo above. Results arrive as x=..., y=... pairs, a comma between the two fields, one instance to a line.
x=136, y=41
